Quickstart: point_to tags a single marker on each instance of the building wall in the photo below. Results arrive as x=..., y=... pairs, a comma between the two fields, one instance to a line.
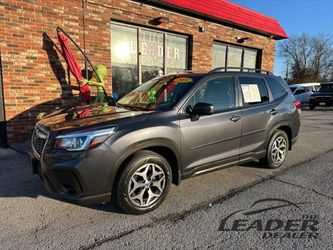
x=35, y=77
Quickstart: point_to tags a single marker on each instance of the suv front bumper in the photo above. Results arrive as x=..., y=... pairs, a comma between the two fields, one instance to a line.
x=81, y=178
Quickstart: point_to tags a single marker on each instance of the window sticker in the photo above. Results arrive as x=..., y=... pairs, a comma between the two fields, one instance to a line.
x=182, y=80
x=251, y=93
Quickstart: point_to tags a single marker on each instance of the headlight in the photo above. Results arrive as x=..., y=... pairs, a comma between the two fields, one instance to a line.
x=83, y=141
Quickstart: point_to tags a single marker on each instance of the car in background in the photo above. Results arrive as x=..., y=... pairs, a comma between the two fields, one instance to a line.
x=323, y=97
x=303, y=91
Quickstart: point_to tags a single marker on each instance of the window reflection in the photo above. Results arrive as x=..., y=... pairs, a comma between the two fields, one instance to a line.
x=176, y=53
x=124, y=59
x=155, y=50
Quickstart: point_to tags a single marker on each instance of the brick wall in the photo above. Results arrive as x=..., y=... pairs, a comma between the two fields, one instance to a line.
x=34, y=74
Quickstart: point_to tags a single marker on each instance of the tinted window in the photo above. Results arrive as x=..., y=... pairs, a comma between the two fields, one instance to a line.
x=300, y=91
x=326, y=88
x=254, y=90
x=218, y=91
x=276, y=88
x=293, y=89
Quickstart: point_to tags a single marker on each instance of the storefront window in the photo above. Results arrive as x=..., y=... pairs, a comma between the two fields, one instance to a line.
x=250, y=59
x=176, y=53
x=151, y=51
x=159, y=53
x=236, y=56
x=219, y=53
x=124, y=59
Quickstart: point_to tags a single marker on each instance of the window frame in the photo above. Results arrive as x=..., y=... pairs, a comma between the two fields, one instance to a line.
x=245, y=104
x=184, y=103
x=243, y=48
x=139, y=29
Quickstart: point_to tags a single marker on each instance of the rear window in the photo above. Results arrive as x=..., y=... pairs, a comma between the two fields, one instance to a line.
x=276, y=88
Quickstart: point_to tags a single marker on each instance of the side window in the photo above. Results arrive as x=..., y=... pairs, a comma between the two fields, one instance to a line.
x=276, y=88
x=218, y=91
x=300, y=91
x=254, y=90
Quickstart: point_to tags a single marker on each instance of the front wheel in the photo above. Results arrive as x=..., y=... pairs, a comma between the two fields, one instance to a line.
x=144, y=183
x=277, y=150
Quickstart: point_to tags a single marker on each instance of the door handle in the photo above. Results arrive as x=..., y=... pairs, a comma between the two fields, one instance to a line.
x=273, y=112
x=235, y=118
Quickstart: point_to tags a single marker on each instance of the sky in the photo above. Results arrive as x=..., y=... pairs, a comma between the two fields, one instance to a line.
x=296, y=17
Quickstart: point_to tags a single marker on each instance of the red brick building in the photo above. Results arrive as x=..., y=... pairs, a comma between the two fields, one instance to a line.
x=136, y=40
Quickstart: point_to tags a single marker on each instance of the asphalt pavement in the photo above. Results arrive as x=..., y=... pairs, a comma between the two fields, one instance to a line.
x=192, y=215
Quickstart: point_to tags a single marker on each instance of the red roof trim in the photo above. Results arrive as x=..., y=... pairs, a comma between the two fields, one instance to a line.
x=225, y=11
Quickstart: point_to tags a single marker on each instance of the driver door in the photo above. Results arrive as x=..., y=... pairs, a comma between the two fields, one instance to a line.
x=212, y=141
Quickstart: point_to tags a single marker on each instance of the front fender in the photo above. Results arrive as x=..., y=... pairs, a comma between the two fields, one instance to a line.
x=141, y=144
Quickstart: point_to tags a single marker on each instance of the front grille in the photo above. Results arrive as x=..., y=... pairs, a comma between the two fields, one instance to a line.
x=39, y=140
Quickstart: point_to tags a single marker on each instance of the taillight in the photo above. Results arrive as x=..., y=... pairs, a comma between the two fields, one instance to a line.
x=298, y=105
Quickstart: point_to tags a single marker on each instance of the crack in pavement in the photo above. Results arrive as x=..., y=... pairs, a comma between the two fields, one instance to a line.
x=306, y=188
x=202, y=206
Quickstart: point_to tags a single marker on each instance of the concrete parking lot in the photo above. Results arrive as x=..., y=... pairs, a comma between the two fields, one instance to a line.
x=191, y=216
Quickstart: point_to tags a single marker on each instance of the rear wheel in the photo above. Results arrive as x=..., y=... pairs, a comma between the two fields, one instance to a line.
x=277, y=150
x=144, y=183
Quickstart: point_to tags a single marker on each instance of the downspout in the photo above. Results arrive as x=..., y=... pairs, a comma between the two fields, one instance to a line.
x=3, y=125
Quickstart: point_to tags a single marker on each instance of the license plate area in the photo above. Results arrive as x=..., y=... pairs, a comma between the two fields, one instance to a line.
x=322, y=103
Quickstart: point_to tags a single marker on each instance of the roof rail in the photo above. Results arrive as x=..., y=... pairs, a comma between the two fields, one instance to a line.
x=249, y=70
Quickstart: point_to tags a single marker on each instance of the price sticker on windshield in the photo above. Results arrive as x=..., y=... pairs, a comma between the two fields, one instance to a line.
x=183, y=80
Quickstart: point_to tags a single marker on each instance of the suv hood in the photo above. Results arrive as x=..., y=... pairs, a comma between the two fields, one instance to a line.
x=82, y=117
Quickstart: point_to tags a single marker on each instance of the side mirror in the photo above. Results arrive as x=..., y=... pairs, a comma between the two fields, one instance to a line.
x=202, y=108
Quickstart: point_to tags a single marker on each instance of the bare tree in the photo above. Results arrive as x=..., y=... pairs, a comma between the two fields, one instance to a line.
x=310, y=57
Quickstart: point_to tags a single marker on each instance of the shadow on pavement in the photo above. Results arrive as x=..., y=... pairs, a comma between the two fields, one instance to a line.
x=17, y=180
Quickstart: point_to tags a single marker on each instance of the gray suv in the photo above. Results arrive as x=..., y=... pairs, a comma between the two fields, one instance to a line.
x=170, y=128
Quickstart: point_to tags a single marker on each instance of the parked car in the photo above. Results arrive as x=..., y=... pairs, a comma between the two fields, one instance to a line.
x=170, y=128
x=323, y=97
x=303, y=91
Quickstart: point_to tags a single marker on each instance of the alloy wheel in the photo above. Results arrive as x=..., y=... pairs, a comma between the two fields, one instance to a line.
x=146, y=185
x=279, y=150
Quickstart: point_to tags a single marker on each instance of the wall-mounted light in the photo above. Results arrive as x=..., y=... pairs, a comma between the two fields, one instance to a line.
x=202, y=29
x=159, y=20
x=244, y=39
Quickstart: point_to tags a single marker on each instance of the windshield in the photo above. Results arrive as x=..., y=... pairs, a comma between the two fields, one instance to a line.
x=159, y=93
x=326, y=88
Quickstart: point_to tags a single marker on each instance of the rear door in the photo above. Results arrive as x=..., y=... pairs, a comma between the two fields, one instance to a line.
x=257, y=113
x=212, y=140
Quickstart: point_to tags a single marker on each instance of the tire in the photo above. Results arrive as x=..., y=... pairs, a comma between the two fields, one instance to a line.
x=144, y=183
x=278, y=143
x=312, y=107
